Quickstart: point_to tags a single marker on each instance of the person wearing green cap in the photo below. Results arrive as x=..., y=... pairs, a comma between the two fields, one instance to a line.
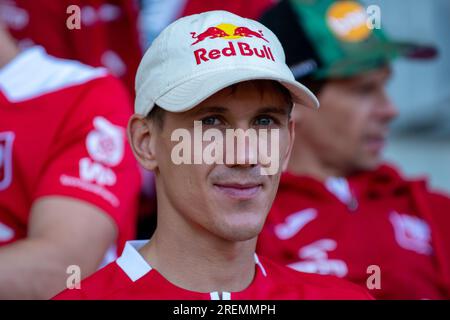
x=339, y=209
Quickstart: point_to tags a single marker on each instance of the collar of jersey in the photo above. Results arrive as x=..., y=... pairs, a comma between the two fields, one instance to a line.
x=135, y=266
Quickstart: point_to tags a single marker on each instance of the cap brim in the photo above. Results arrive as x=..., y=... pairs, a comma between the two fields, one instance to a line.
x=415, y=51
x=373, y=57
x=192, y=92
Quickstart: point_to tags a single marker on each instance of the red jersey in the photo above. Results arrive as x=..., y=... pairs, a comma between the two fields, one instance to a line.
x=62, y=133
x=130, y=277
x=108, y=34
x=344, y=226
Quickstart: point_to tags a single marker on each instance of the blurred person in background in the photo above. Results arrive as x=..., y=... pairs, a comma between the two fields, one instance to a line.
x=340, y=210
x=108, y=35
x=68, y=180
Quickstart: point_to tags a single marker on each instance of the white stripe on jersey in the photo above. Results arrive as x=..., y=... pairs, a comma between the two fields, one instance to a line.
x=34, y=73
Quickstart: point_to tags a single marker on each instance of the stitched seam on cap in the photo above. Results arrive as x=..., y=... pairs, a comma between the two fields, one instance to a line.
x=212, y=70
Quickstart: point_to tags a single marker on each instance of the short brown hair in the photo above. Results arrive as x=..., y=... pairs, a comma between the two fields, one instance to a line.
x=157, y=115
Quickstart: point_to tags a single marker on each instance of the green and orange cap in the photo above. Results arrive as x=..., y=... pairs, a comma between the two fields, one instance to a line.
x=335, y=38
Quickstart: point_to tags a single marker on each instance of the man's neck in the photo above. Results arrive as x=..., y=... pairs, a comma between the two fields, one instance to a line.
x=8, y=49
x=305, y=162
x=192, y=258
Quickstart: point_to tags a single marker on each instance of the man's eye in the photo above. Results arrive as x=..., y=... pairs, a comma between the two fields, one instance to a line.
x=210, y=121
x=264, y=121
x=366, y=88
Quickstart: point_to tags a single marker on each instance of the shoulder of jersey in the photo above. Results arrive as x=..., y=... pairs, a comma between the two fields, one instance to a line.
x=103, y=284
x=316, y=286
x=35, y=73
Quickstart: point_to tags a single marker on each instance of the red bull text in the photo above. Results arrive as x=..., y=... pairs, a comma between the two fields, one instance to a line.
x=228, y=31
x=243, y=49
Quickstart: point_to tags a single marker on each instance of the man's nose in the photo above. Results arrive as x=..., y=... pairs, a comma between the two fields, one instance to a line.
x=386, y=109
x=245, y=142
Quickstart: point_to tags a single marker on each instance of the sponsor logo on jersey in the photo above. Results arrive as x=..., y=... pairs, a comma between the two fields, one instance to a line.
x=315, y=259
x=105, y=146
x=6, y=163
x=95, y=172
x=294, y=223
x=411, y=233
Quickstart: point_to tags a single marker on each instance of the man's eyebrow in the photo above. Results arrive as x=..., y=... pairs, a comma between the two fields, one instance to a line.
x=210, y=109
x=277, y=110
x=265, y=110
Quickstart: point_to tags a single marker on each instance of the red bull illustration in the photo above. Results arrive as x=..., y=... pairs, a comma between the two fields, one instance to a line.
x=210, y=33
x=227, y=31
x=246, y=32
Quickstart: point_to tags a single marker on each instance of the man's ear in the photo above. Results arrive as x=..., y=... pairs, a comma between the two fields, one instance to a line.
x=296, y=113
x=142, y=136
x=287, y=155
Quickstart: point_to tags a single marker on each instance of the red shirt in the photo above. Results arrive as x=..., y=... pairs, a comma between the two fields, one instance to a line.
x=108, y=35
x=382, y=220
x=131, y=278
x=62, y=133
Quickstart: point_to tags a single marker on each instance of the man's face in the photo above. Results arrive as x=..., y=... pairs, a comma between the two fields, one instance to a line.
x=350, y=129
x=230, y=201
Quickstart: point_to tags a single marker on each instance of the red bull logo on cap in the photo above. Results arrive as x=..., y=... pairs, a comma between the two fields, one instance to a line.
x=228, y=31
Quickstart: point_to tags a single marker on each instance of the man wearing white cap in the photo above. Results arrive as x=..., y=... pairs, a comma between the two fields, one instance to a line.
x=225, y=73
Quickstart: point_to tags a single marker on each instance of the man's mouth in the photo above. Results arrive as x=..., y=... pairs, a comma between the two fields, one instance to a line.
x=241, y=191
x=376, y=143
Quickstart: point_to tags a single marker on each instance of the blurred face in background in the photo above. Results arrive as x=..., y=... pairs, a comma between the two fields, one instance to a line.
x=350, y=129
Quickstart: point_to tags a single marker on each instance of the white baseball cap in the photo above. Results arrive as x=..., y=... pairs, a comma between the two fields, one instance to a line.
x=199, y=55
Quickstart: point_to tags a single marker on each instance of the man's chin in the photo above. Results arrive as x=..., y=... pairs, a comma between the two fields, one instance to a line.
x=369, y=163
x=236, y=232
x=244, y=236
